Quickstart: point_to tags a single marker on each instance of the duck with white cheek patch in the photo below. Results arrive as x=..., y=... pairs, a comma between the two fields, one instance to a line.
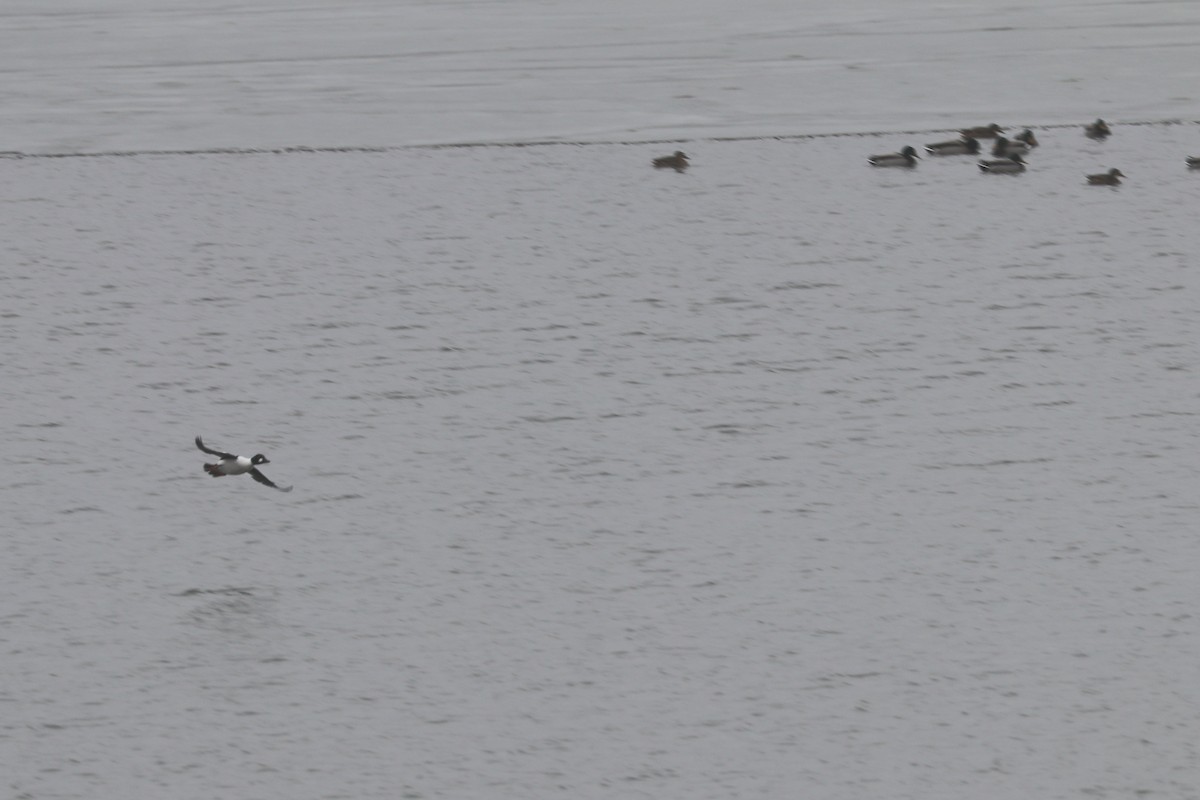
x=231, y=464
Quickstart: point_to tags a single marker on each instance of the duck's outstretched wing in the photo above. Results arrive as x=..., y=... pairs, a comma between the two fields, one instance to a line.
x=263, y=479
x=211, y=452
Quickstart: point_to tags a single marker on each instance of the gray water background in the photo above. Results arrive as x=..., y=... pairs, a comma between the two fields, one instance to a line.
x=782, y=477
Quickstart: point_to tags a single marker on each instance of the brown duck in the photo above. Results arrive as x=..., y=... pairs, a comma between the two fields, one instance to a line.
x=1110, y=178
x=1027, y=137
x=1097, y=130
x=983, y=131
x=677, y=161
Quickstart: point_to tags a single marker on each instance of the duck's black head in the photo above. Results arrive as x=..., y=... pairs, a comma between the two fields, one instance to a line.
x=972, y=144
x=259, y=459
x=909, y=152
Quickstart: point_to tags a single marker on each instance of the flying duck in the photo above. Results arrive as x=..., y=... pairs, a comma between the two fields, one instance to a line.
x=966, y=146
x=983, y=131
x=236, y=465
x=677, y=161
x=905, y=158
x=1110, y=178
x=1005, y=166
x=1097, y=130
x=1193, y=162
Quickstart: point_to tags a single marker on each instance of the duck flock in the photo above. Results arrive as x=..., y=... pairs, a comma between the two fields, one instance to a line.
x=1008, y=156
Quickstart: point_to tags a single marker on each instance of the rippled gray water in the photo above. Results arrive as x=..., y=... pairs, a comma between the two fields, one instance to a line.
x=784, y=477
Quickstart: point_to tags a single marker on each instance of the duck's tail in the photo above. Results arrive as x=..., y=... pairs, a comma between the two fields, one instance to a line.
x=213, y=469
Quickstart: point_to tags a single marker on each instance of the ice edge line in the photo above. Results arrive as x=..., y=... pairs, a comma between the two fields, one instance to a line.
x=301, y=149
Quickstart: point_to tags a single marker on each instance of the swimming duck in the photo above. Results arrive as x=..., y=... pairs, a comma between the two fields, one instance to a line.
x=677, y=161
x=1097, y=130
x=905, y=158
x=1003, y=148
x=1027, y=137
x=957, y=147
x=1005, y=166
x=1193, y=162
x=1110, y=178
x=238, y=465
x=983, y=131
